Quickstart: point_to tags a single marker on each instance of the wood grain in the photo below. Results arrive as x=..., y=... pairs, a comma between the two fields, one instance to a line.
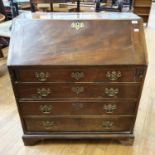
x=78, y=38
x=89, y=90
x=72, y=124
x=11, y=132
x=90, y=74
x=67, y=46
x=78, y=108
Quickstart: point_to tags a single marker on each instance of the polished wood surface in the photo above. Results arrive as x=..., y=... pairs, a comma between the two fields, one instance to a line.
x=10, y=128
x=71, y=45
x=85, y=74
x=93, y=90
x=67, y=46
x=142, y=8
x=77, y=108
x=76, y=124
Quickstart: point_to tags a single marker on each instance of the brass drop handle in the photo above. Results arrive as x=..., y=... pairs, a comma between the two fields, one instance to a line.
x=77, y=75
x=107, y=124
x=77, y=90
x=41, y=76
x=43, y=92
x=46, y=109
x=48, y=124
x=77, y=106
x=111, y=92
x=109, y=108
x=113, y=75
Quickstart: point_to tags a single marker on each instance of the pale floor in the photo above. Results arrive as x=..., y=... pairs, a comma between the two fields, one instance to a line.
x=11, y=132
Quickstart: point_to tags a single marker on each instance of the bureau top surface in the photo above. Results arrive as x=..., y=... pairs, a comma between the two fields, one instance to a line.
x=77, y=39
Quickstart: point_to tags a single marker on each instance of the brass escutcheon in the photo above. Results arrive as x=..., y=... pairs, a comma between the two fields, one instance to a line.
x=78, y=90
x=113, y=75
x=41, y=76
x=77, y=106
x=48, y=124
x=111, y=92
x=77, y=25
x=43, y=92
x=45, y=109
x=109, y=108
x=77, y=75
x=107, y=124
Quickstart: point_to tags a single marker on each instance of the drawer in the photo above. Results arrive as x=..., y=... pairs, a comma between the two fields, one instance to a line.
x=78, y=108
x=78, y=124
x=143, y=3
x=142, y=10
x=145, y=18
x=80, y=74
x=77, y=90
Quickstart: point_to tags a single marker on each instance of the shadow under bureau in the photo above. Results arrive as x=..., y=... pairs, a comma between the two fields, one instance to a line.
x=77, y=75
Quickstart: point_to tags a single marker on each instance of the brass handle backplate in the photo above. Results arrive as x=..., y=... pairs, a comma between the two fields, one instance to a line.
x=109, y=108
x=113, y=75
x=107, y=124
x=41, y=76
x=46, y=109
x=78, y=90
x=48, y=124
x=43, y=92
x=77, y=75
x=111, y=92
x=77, y=106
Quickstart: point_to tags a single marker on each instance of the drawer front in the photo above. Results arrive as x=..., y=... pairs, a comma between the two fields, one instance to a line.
x=77, y=90
x=87, y=74
x=142, y=10
x=143, y=2
x=145, y=18
x=77, y=108
x=78, y=124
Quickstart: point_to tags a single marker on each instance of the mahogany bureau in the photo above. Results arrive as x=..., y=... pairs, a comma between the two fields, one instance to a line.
x=77, y=75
